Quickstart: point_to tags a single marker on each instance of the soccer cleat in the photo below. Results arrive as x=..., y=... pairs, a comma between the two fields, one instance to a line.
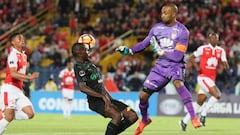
x=196, y=123
x=141, y=126
x=203, y=120
x=183, y=125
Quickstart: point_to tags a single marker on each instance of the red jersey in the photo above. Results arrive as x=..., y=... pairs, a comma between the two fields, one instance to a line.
x=209, y=59
x=68, y=78
x=19, y=60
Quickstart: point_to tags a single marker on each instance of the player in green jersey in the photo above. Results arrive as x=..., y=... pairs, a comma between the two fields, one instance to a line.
x=89, y=80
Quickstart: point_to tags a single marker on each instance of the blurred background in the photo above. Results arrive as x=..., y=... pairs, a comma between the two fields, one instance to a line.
x=52, y=26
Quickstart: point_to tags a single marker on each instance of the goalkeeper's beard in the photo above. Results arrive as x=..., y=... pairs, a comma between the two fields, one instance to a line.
x=167, y=21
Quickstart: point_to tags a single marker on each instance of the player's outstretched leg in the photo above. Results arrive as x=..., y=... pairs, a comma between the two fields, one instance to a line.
x=111, y=129
x=130, y=117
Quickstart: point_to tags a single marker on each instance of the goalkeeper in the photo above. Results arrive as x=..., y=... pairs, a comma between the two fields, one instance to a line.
x=169, y=39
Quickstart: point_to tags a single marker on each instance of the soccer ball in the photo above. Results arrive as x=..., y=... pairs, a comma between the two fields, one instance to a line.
x=87, y=39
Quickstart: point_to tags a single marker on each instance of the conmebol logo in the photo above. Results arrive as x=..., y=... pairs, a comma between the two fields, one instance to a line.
x=170, y=107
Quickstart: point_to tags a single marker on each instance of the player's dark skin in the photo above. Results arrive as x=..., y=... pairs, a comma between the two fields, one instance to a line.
x=214, y=91
x=111, y=110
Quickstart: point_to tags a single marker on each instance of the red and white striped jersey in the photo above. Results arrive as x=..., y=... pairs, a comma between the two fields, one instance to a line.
x=67, y=78
x=19, y=60
x=209, y=59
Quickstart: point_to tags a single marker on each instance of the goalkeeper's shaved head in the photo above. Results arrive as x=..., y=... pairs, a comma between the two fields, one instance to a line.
x=173, y=7
x=169, y=13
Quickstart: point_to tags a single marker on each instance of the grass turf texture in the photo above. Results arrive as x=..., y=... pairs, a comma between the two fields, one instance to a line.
x=55, y=124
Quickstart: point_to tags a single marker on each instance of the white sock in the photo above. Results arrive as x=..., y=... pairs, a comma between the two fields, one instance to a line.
x=69, y=107
x=64, y=107
x=212, y=100
x=20, y=115
x=3, y=125
x=187, y=116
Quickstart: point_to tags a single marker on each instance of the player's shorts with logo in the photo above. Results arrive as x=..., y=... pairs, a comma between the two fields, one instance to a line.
x=13, y=98
x=205, y=84
x=160, y=76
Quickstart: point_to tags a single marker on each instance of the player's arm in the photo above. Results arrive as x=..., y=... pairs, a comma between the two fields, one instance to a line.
x=136, y=48
x=192, y=59
x=142, y=45
x=12, y=62
x=85, y=89
x=197, y=53
x=177, y=54
x=61, y=83
x=224, y=60
x=225, y=65
x=81, y=78
x=15, y=74
x=60, y=78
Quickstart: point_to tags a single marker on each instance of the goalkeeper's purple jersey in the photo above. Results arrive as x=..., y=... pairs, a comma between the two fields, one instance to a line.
x=174, y=40
x=168, y=38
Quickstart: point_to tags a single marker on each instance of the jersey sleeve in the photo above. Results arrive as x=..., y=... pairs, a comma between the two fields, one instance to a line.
x=143, y=44
x=223, y=57
x=12, y=60
x=60, y=74
x=198, y=52
x=80, y=74
x=182, y=42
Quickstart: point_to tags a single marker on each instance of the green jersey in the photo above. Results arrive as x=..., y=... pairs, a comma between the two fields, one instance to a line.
x=88, y=72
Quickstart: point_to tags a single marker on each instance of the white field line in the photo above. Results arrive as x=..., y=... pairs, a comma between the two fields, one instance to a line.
x=155, y=132
x=57, y=133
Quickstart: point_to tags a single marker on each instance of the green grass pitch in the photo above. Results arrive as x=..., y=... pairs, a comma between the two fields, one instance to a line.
x=55, y=124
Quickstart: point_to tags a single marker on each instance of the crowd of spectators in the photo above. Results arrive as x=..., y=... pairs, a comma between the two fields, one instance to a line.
x=14, y=12
x=115, y=18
